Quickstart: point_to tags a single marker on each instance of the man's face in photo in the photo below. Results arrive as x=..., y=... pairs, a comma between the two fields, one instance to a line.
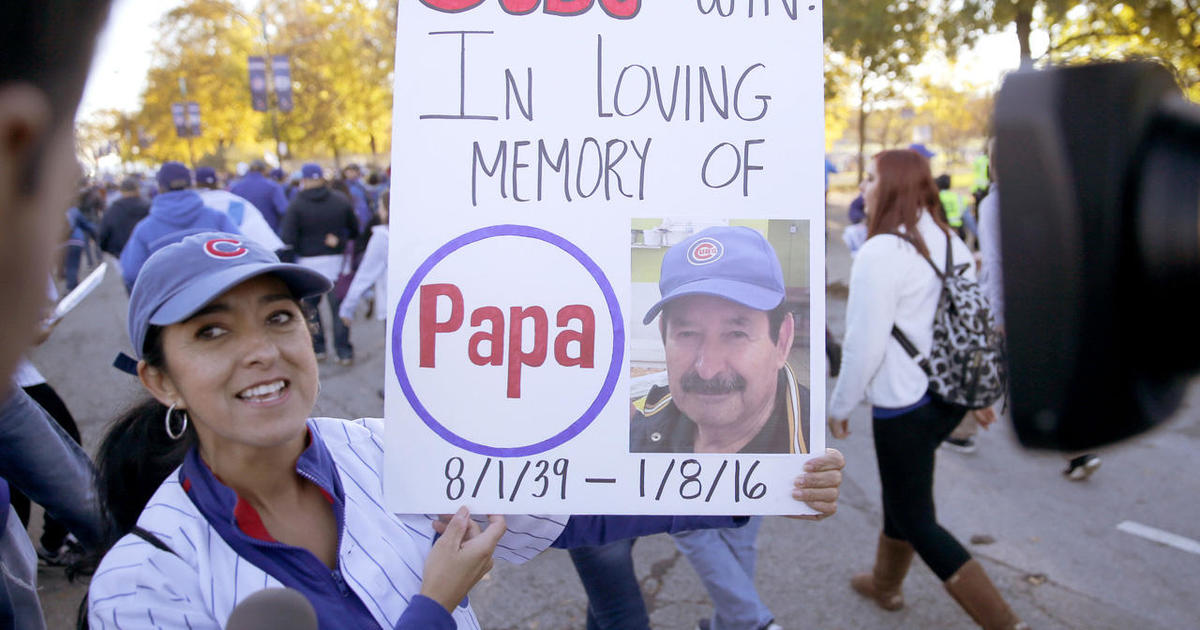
x=722, y=364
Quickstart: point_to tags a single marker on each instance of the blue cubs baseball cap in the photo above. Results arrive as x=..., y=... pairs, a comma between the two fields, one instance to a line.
x=184, y=277
x=206, y=175
x=312, y=171
x=173, y=176
x=734, y=263
x=921, y=150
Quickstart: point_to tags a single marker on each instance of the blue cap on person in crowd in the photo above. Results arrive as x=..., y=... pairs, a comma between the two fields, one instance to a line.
x=921, y=149
x=173, y=176
x=277, y=173
x=206, y=175
x=734, y=263
x=183, y=277
x=312, y=171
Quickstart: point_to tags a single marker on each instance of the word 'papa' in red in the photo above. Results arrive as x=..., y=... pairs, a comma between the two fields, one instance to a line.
x=621, y=9
x=518, y=355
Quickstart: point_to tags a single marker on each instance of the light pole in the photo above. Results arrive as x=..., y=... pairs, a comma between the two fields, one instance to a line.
x=272, y=101
x=187, y=122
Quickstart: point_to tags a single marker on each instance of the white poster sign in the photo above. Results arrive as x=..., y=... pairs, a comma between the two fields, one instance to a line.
x=607, y=259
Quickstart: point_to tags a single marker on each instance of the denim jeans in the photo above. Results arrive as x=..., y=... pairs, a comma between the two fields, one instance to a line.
x=40, y=459
x=341, y=334
x=724, y=559
x=71, y=259
x=19, y=605
x=614, y=597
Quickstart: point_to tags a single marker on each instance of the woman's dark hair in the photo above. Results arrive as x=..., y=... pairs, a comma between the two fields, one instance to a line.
x=136, y=454
x=904, y=189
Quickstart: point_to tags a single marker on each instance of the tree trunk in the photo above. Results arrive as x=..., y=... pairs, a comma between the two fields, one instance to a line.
x=862, y=123
x=1024, y=27
x=337, y=155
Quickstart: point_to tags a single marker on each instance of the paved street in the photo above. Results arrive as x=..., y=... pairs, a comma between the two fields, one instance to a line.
x=1052, y=545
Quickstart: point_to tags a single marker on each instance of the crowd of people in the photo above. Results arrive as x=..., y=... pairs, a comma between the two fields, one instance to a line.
x=225, y=443
x=220, y=483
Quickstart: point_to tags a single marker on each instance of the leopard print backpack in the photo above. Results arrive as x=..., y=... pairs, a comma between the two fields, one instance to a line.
x=966, y=365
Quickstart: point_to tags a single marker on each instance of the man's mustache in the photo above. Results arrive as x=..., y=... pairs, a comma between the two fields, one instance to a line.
x=692, y=383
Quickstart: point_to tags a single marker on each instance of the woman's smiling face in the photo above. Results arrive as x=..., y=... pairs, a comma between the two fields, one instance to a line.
x=243, y=367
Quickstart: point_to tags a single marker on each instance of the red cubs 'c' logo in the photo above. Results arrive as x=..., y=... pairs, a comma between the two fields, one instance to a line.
x=224, y=248
x=704, y=251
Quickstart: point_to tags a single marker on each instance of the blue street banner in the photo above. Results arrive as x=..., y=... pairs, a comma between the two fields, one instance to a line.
x=282, y=72
x=258, y=83
x=178, y=117
x=193, y=115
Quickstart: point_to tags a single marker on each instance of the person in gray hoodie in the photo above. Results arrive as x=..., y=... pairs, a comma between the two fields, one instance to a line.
x=176, y=212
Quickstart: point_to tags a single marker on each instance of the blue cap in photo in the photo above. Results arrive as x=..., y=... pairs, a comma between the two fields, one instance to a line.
x=206, y=175
x=184, y=277
x=733, y=263
x=312, y=171
x=921, y=149
x=173, y=176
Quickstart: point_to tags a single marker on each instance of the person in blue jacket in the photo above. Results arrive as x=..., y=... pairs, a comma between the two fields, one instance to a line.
x=265, y=193
x=176, y=211
x=224, y=485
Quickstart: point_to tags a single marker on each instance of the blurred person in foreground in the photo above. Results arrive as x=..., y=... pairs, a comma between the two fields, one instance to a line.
x=45, y=52
x=893, y=284
x=223, y=484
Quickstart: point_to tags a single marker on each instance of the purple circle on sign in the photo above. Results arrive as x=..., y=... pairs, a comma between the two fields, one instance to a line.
x=610, y=379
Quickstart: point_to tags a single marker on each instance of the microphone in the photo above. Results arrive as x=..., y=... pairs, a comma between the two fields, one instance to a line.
x=273, y=608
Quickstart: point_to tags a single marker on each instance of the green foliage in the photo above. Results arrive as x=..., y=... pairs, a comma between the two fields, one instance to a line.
x=1167, y=31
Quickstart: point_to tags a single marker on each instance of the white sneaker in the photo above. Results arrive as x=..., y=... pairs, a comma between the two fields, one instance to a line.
x=1082, y=467
x=965, y=445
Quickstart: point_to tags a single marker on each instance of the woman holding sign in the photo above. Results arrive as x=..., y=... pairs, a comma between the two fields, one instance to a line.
x=892, y=286
x=236, y=489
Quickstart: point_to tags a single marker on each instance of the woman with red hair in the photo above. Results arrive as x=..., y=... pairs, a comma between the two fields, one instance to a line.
x=893, y=284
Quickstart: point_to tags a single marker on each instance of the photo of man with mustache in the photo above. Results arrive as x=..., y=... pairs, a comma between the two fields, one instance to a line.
x=727, y=333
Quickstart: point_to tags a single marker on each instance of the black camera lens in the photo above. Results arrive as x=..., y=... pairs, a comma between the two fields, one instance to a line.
x=1099, y=177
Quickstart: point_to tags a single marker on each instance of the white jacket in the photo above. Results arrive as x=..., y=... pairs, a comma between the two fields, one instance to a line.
x=891, y=284
x=372, y=271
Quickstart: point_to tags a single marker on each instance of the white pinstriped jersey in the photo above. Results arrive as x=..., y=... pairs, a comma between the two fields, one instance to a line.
x=381, y=556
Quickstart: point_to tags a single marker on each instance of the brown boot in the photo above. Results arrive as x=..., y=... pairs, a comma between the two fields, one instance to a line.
x=971, y=588
x=892, y=559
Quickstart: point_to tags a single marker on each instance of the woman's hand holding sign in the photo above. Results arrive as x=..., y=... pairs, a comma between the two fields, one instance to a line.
x=819, y=485
x=460, y=557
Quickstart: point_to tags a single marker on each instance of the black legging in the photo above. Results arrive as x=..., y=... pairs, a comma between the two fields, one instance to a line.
x=905, y=447
x=53, y=532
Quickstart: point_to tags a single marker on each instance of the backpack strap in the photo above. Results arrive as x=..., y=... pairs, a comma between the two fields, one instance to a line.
x=949, y=256
x=899, y=335
x=911, y=349
x=152, y=539
x=932, y=265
